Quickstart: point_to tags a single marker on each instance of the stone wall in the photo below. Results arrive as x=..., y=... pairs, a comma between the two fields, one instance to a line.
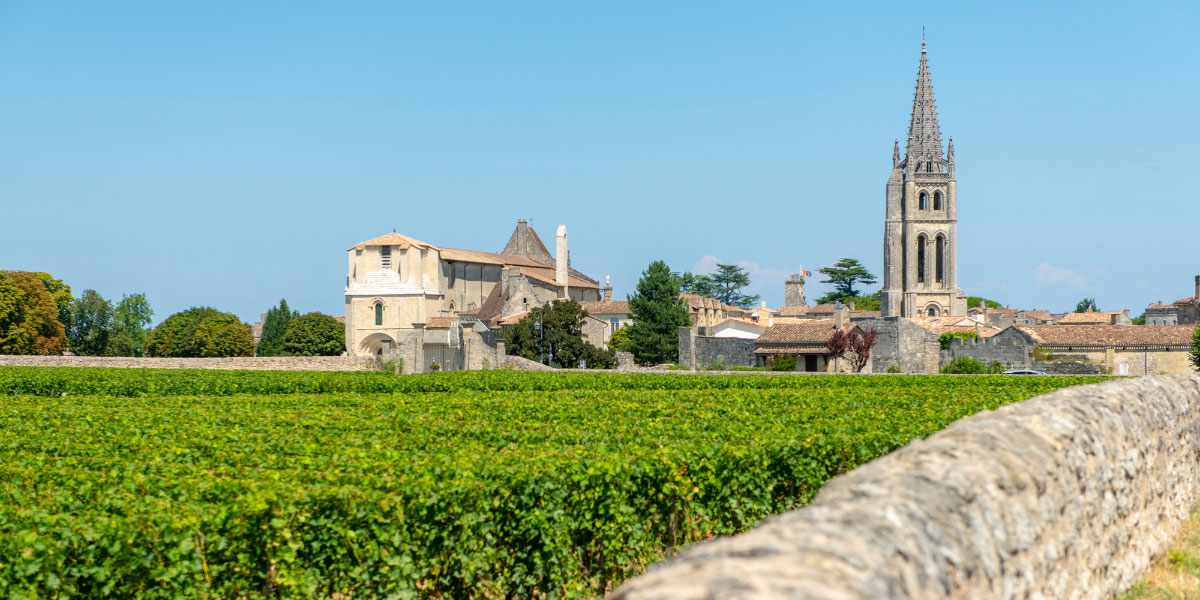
x=902, y=343
x=1067, y=495
x=1009, y=348
x=256, y=363
x=697, y=349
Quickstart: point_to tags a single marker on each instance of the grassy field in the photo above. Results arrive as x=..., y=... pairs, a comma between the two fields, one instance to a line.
x=177, y=484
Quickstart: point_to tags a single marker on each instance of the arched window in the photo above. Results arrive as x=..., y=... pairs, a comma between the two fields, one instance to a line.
x=923, y=202
x=378, y=313
x=940, y=258
x=933, y=311
x=937, y=201
x=921, y=241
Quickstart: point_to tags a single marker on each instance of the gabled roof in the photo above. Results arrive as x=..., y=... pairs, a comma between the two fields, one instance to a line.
x=548, y=275
x=1090, y=317
x=390, y=239
x=1188, y=300
x=796, y=311
x=941, y=325
x=697, y=302
x=817, y=331
x=525, y=242
x=616, y=307
x=440, y=322
x=732, y=321
x=1109, y=335
x=487, y=258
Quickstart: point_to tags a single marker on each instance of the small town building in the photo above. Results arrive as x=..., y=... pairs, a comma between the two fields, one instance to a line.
x=1094, y=317
x=1185, y=311
x=740, y=327
x=806, y=342
x=1108, y=349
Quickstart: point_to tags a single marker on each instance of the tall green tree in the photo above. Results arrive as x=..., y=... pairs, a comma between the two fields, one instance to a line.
x=553, y=334
x=844, y=275
x=133, y=315
x=273, y=328
x=1085, y=304
x=701, y=285
x=314, y=334
x=658, y=313
x=90, y=324
x=729, y=281
x=61, y=293
x=29, y=316
x=1194, y=355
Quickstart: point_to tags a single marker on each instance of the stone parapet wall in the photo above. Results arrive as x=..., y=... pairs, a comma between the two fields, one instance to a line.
x=1067, y=495
x=256, y=363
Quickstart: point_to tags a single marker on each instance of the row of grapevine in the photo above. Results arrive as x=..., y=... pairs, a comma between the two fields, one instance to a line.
x=562, y=486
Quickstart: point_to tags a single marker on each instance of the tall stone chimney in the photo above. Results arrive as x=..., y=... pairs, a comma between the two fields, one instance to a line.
x=608, y=288
x=1196, y=298
x=793, y=291
x=561, y=261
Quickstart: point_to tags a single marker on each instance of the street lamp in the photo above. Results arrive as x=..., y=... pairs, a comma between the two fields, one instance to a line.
x=537, y=326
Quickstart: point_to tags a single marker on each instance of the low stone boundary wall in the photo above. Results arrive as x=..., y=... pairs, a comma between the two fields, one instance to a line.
x=1067, y=495
x=255, y=363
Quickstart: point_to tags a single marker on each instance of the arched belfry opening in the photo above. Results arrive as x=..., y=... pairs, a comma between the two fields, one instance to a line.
x=920, y=272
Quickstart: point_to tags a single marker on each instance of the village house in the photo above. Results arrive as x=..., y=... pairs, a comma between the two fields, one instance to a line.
x=1185, y=311
x=398, y=287
x=1112, y=349
x=1094, y=317
x=806, y=342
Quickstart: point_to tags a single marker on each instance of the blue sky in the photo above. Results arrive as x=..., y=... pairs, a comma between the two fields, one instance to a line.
x=227, y=153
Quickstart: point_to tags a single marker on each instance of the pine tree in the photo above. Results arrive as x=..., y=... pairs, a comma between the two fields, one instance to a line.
x=273, y=328
x=658, y=313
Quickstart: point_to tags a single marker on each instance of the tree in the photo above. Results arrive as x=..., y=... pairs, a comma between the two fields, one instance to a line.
x=658, y=313
x=870, y=301
x=619, y=340
x=61, y=293
x=90, y=324
x=1139, y=320
x=701, y=285
x=728, y=282
x=553, y=334
x=1194, y=355
x=1086, y=304
x=945, y=339
x=133, y=314
x=201, y=331
x=314, y=334
x=837, y=345
x=29, y=316
x=274, y=326
x=844, y=274
x=860, y=345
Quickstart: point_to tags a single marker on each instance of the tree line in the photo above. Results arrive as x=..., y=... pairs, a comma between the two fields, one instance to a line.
x=40, y=315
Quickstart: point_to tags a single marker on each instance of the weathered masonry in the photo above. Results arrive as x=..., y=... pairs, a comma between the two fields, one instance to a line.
x=1067, y=495
x=920, y=256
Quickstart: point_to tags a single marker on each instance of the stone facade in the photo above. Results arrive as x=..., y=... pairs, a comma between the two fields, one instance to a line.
x=246, y=363
x=901, y=343
x=1067, y=495
x=920, y=258
x=1009, y=347
x=395, y=283
x=793, y=291
x=697, y=348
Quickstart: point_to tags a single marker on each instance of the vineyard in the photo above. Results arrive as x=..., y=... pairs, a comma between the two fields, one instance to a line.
x=214, y=484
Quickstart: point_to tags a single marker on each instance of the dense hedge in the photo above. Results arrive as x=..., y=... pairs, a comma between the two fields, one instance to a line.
x=483, y=484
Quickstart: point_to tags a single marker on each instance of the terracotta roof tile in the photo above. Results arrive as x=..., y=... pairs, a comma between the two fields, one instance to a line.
x=606, y=308
x=440, y=322
x=1109, y=335
x=812, y=332
x=796, y=311
x=390, y=239
x=548, y=275
x=1090, y=317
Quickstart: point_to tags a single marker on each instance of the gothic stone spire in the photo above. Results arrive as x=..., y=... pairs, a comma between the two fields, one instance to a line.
x=924, y=136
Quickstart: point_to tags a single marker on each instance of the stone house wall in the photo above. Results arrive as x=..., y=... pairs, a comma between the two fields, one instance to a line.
x=1009, y=347
x=1067, y=495
x=902, y=343
x=697, y=349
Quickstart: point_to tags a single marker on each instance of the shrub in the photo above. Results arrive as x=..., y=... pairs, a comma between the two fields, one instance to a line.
x=619, y=340
x=945, y=338
x=965, y=365
x=783, y=363
x=716, y=365
x=893, y=369
x=314, y=334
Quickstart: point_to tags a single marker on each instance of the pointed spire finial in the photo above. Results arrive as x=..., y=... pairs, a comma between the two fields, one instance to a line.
x=922, y=39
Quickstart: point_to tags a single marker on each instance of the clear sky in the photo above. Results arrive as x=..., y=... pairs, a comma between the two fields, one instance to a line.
x=227, y=153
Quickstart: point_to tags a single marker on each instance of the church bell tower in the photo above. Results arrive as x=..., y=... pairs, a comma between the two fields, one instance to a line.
x=920, y=240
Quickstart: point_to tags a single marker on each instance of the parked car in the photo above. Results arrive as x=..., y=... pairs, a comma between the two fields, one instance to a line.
x=1024, y=372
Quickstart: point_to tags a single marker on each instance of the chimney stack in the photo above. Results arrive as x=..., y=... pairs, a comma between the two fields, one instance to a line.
x=608, y=288
x=1196, y=298
x=561, y=261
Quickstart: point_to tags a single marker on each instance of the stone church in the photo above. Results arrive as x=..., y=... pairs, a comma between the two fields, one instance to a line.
x=920, y=258
x=402, y=292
